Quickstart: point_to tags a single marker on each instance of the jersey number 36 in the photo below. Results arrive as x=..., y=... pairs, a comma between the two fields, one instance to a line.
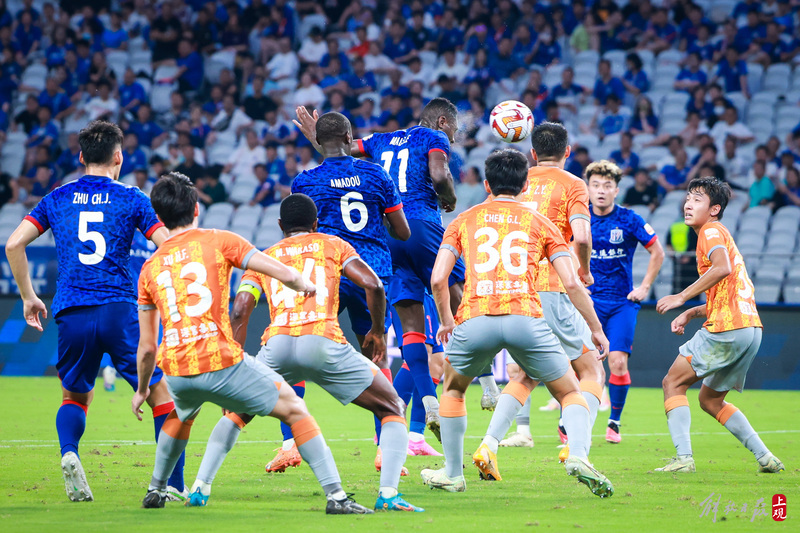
x=507, y=250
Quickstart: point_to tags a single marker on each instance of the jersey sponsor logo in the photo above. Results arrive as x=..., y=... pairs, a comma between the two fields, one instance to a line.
x=711, y=233
x=352, y=181
x=484, y=287
x=616, y=236
x=649, y=229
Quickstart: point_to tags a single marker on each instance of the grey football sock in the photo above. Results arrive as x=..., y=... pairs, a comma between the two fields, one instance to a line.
x=503, y=416
x=453, y=431
x=394, y=447
x=742, y=430
x=575, y=418
x=524, y=414
x=221, y=441
x=168, y=451
x=679, y=421
x=316, y=453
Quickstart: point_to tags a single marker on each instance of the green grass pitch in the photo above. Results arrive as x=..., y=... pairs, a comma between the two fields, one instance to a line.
x=535, y=494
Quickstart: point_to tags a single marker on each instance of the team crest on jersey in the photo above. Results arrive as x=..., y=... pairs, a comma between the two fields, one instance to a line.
x=616, y=236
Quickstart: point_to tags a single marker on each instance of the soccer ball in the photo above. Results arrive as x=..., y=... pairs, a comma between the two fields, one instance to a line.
x=511, y=121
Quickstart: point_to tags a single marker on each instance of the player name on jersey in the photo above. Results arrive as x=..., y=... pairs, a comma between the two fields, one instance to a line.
x=83, y=198
x=399, y=141
x=500, y=218
x=341, y=183
x=297, y=250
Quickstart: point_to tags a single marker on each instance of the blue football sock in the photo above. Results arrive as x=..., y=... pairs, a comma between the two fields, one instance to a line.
x=300, y=390
x=417, y=423
x=404, y=384
x=160, y=413
x=70, y=425
x=416, y=357
x=617, y=393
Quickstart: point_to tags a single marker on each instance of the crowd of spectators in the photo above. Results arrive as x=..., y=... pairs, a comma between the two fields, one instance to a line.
x=209, y=87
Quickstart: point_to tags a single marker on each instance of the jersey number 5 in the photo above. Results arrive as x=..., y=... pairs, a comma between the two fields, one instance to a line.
x=196, y=287
x=402, y=155
x=91, y=236
x=505, y=253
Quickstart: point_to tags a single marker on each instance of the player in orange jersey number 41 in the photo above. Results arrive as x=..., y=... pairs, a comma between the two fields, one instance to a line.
x=502, y=242
x=186, y=283
x=724, y=348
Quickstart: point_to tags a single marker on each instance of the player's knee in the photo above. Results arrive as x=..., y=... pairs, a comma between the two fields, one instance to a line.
x=390, y=407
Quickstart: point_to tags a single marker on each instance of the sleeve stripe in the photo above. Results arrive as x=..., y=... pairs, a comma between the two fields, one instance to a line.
x=247, y=258
x=450, y=248
x=398, y=207
x=361, y=146
x=349, y=260
x=152, y=230
x=651, y=242
x=35, y=223
x=436, y=150
x=580, y=215
x=146, y=307
x=711, y=251
x=557, y=255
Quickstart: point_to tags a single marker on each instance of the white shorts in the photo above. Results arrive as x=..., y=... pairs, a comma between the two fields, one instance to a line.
x=567, y=324
x=723, y=358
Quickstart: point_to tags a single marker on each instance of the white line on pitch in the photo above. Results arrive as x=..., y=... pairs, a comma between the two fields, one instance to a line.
x=53, y=443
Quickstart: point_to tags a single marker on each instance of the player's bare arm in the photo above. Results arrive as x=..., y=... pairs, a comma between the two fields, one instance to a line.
x=398, y=225
x=720, y=269
x=291, y=277
x=439, y=168
x=159, y=236
x=362, y=275
x=440, y=279
x=656, y=260
x=25, y=234
x=145, y=357
x=307, y=124
x=582, y=241
x=679, y=324
x=582, y=302
x=243, y=306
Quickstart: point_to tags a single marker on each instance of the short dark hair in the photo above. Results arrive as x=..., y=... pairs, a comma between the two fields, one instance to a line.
x=603, y=169
x=439, y=107
x=718, y=191
x=550, y=140
x=332, y=126
x=174, y=198
x=298, y=212
x=99, y=140
x=506, y=171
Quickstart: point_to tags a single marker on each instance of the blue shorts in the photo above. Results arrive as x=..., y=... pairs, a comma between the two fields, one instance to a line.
x=86, y=333
x=619, y=323
x=412, y=262
x=431, y=325
x=354, y=299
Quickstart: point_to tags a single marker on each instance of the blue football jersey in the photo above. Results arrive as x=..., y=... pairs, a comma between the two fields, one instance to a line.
x=141, y=250
x=614, y=240
x=352, y=196
x=404, y=155
x=93, y=220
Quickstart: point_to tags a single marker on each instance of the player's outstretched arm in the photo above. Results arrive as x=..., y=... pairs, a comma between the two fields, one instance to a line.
x=291, y=277
x=440, y=287
x=583, y=303
x=25, y=234
x=720, y=269
x=243, y=306
x=398, y=225
x=362, y=275
x=439, y=169
x=145, y=357
x=582, y=237
x=656, y=260
x=307, y=124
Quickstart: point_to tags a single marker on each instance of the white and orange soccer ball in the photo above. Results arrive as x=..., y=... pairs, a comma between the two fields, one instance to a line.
x=511, y=121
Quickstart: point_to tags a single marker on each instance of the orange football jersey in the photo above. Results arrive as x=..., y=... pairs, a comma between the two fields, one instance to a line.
x=321, y=258
x=561, y=197
x=502, y=242
x=187, y=279
x=730, y=303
